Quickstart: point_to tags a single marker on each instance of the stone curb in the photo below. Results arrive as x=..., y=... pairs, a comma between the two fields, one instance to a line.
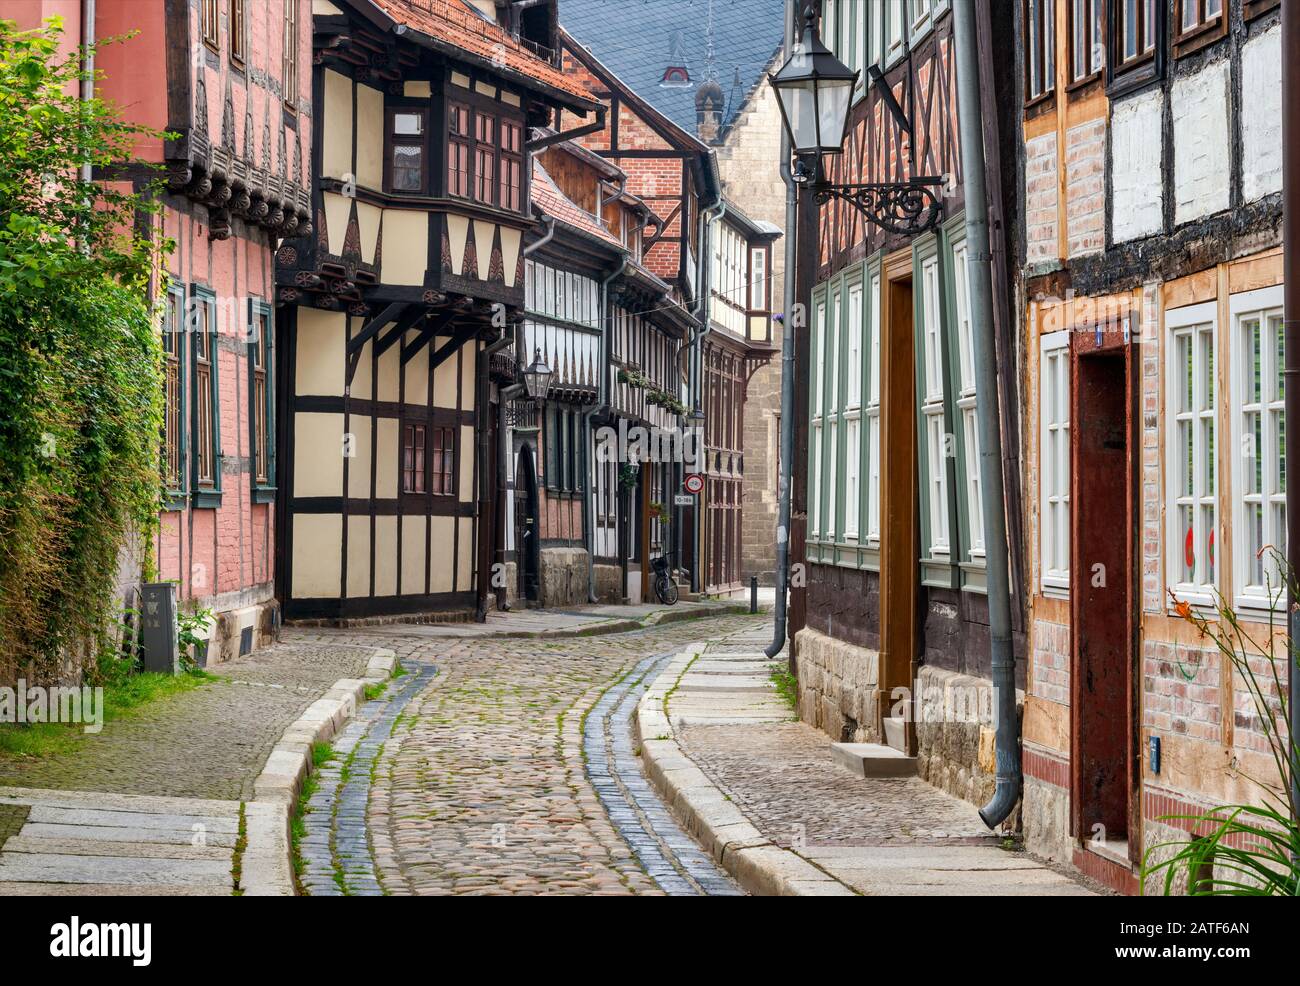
x=759, y=865
x=267, y=866
x=657, y=618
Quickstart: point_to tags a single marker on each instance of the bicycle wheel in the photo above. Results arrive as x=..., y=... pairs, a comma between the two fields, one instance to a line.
x=666, y=590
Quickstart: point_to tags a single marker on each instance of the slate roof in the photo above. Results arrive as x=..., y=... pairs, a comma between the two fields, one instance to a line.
x=453, y=23
x=636, y=39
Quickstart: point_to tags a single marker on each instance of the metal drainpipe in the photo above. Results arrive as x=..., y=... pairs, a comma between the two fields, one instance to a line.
x=600, y=407
x=979, y=265
x=88, y=83
x=549, y=223
x=480, y=614
x=787, y=380
x=1291, y=358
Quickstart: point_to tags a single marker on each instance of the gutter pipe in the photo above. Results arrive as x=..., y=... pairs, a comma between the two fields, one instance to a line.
x=980, y=270
x=1291, y=360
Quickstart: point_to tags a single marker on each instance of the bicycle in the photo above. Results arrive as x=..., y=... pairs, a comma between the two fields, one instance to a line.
x=664, y=584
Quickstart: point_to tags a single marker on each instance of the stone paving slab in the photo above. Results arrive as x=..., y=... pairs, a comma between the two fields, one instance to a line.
x=53, y=868
x=91, y=847
x=14, y=889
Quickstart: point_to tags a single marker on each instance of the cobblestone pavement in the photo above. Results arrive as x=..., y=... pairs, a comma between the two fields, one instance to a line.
x=482, y=788
x=210, y=742
x=672, y=858
x=336, y=848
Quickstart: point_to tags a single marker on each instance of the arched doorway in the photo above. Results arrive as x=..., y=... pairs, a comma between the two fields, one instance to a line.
x=528, y=548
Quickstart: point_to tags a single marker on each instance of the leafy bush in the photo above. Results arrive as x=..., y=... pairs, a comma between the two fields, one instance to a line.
x=80, y=358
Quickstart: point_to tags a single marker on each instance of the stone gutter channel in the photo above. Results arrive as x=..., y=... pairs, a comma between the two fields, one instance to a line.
x=336, y=850
x=671, y=857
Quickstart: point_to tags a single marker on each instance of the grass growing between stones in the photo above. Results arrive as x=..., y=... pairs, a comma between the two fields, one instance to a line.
x=321, y=754
x=786, y=685
x=123, y=698
x=237, y=858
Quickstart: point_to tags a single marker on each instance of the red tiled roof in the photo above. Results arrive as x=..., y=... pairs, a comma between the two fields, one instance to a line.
x=455, y=24
x=547, y=196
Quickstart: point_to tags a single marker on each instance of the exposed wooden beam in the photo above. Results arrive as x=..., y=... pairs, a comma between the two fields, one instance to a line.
x=431, y=329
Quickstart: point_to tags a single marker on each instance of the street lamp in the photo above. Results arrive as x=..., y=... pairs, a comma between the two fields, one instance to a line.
x=537, y=377
x=814, y=90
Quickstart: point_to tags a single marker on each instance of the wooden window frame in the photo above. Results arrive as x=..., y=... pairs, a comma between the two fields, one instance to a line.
x=261, y=343
x=512, y=155
x=1147, y=67
x=1204, y=34
x=415, y=473
x=205, y=491
x=1258, y=8
x=460, y=145
x=289, y=55
x=1046, y=46
x=1054, y=489
x=443, y=472
x=210, y=24
x=392, y=140
x=175, y=434
x=503, y=116
x=1079, y=82
x=238, y=14
x=483, y=186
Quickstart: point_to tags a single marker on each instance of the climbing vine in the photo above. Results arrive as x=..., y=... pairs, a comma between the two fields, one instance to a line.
x=80, y=358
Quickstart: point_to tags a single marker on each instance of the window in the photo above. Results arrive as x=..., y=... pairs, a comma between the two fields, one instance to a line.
x=173, y=340
x=894, y=17
x=443, y=461
x=262, y=411
x=407, y=143
x=210, y=23
x=413, y=465
x=1086, y=49
x=563, y=450
x=1054, y=463
x=1040, y=29
x=458, y=149
x=238, y=32
x=290, y=53
x=758, y=279
x=484, y=156
x=873, y=412
x=1135, y=31
x=815, y=440
x=830, y=366
x=1195, y=16
x=966, y=401
x=932, y=410
x=919, y=12
x=1191, y=487
x=512, y=165
x=206, y=423
x=1259, y=467
x=853, y=414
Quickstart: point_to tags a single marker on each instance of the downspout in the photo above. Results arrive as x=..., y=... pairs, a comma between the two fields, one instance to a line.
x=1291, y=358
x=549, y=223
x=979, y=265
x=600, y=407
x=485, y=482
x=88, y=66
x=784, y=483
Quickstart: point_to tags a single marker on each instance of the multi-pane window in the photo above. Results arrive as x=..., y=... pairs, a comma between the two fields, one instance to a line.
x=1197, y=15
x=205, y=383
x=512, y=165
x=966, y=399
x=564, y=450
x=1040, y=33
x=561, y=295
x=758, y=279
x=210, y=23
x=853, y=414
x=873, y=411
x=442, y=460
x=1259, y=466
x=1086, y=48
x=932, y=409
x=894, y=33
x=413, y=464
x=815, y=425
x=238, y=32
x=1192, y=489
x=291, y=52
x=1135, y=30
x=260, y=359
x=408, y=148
x=1054, y=462
x=484, y=156
x=173, y=339
x=830, y=366
x=458, y=149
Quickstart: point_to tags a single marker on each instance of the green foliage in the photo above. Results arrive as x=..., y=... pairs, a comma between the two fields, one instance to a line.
x=786, y=685
x=80, y=358
x=1251, y=849
x=191, y=630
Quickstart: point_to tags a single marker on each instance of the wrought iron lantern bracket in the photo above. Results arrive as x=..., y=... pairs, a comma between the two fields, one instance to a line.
x=908, y=207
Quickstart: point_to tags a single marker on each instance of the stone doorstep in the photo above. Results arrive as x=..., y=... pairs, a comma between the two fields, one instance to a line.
x=704, y=811
x=266, y=867
x=873, y=760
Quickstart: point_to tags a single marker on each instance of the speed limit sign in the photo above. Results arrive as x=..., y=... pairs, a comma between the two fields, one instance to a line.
x=694, y=483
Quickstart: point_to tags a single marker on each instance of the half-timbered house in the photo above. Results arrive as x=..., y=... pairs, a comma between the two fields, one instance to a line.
x=887, y=498
x=415, y=265
x=1152, y=276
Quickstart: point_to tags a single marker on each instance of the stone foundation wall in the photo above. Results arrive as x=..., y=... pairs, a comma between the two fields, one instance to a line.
x=609, y=583
x=1045, y=815
x=563, y=577
x=955, y=734
x=837, y=687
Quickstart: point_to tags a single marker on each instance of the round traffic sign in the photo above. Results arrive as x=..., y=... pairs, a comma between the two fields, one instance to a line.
x=694, y=483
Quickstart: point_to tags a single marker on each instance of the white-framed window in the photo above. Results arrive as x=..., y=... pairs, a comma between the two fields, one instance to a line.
x=875, y=37
x=1191, y=487
x=1259, y=462
x=919, y=14
x=853, y=413
x=932, y=409
x=815, y=423
x=872, y=411
x=966, y=400
x=894, y=32
x=1054, y=463
x=830, y=363
x=758, y=279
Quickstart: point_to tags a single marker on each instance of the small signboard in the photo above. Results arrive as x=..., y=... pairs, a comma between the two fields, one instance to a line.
x=694, y=483
x=683, y=500
x=158, y=627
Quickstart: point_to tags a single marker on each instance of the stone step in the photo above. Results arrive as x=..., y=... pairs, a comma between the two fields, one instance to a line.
x=896, y=733
x=873, y=760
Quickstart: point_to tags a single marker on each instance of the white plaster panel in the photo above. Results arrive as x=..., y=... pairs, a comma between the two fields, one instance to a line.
x=317, y=540
x=317, y=454
x=1261, y=115
x=319, y=366
x=1137, y=186
x=1201, y=143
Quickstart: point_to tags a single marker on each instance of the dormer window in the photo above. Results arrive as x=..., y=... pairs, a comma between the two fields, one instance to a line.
x=407, y=151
